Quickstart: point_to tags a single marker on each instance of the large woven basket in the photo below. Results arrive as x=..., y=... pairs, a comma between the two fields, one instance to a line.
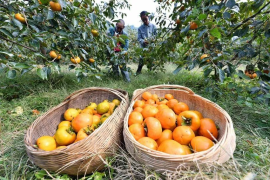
x=162, y=162
x=87, y=155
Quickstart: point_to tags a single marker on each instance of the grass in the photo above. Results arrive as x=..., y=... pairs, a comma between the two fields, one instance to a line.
x=251, y=157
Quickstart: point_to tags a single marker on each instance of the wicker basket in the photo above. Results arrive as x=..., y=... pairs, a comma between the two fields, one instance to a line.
x=219, y=153
x=87, y=155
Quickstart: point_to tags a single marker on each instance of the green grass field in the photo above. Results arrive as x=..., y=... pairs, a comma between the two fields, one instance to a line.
x=251, y=157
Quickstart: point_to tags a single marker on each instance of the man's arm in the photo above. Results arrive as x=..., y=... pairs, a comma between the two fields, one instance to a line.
x=154, y=30
x=111, y=31
x=126, y=42
x=140, y=38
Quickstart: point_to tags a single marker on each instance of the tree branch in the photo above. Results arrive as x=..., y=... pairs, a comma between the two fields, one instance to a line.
x=254, y=15
x=18, y=44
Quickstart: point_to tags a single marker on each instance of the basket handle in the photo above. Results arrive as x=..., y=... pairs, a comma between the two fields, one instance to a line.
x=165, y=87
x=74, y=94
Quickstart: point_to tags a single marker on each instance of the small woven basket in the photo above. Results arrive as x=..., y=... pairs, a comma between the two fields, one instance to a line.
x=162, y=162
x=87, y=155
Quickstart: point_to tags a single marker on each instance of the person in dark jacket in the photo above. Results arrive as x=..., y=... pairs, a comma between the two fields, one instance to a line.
x=118, y=30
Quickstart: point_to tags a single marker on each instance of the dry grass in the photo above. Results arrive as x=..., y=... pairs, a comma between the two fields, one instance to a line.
x=251, y=157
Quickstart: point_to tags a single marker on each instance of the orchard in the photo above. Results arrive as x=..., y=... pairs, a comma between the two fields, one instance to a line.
x=218, y=48
x=43, y=36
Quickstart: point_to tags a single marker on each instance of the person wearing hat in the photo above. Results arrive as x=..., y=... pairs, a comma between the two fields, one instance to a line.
x=146, y=30
x=118, y=30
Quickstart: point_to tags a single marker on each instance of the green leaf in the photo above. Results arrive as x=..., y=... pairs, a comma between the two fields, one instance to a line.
x=124, y=36
x=267, y=33
x=41, y=73
x=75, y=22
x=22, y=66
x=257, y=4
x=215, y=32
x=121, y=40
x=6, y=32
x=186, y=29
x=202, y=16
x=242, y=75
x=84, y=35
x=70, y=67
x=207, y=72
x=56, y=67
x=201, y=33
x=6, y=53
x=93, y=17
x=241, y=32
x=177, y=70
x=230, y=3
x=40, y=174
x=221, y=74
x=214, y=7
x=62, y=3
x=40, y=55
x=226, y=15
x=35, y=28
x=50, y=15
x=11, y=74
x=17, y=23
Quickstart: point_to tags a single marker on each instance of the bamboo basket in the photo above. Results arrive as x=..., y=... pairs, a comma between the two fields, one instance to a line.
x=162, y=162
x=87, y=155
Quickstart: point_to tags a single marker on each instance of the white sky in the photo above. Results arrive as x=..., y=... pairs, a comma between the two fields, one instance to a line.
x=137, y=6
x=133, y=14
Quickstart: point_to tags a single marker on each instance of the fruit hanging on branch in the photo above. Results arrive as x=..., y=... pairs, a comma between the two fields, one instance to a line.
x=20, y=18
x=55, y=6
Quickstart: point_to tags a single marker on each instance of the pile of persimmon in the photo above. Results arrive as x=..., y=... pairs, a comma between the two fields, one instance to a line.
x=78, y=124
x=168, y=125
x=251, y=74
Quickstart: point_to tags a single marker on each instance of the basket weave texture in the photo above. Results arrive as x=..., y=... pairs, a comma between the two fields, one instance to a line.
x=162, y=162
x=87, y=155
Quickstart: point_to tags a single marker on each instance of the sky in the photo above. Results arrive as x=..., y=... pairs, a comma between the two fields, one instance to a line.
x=137, y=6
x=133, y=14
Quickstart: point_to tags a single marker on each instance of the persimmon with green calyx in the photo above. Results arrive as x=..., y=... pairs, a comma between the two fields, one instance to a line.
x=84, y=133
x=81, y=121
x=64, y=124
x=92, y=105
x=65, y=136
x=70, y=114
x=154, y=128
x=104, y=117
x=189, y=118
x=103, y=107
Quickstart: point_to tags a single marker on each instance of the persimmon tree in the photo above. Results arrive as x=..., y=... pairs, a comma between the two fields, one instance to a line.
x=228, y=40
x=45, y=36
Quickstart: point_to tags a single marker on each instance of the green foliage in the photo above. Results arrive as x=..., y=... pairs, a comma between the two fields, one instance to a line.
x=232, y=33
x=67, y=32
